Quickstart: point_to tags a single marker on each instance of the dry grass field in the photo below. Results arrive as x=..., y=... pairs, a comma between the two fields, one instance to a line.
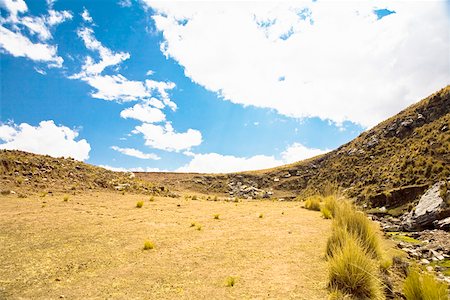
x=92, y=247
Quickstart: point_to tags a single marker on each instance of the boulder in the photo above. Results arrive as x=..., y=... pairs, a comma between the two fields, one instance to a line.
x=428, y=210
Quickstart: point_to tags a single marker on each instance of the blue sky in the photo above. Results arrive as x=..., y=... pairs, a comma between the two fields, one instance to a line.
x=142, y=85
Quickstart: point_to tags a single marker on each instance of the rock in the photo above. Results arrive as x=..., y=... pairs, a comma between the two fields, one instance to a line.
x=430, y=268
x=427, y=211
x=425, y=261
x=276, y=179
x=443, y=224
x=437, y=255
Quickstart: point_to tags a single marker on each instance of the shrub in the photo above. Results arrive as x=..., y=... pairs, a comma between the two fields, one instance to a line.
x=66, y=198
x=216, y=217
x=230, y=281
x=198, y=227
x=326, y=213
x=192, y=224
x=352, y=272
x=313, y=203
x=425, y=286
x=194, y=197
x=139, y=204
x=151, y=199
x=148, y=245
x=260, y=216
x=337, y=240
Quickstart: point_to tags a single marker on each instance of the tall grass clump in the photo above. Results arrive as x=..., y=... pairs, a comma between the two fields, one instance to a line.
x=326, y=213
x=357, y=224
x=331, y=204
x=139, y=204
x=148, y=245
x=353, y=272
x=423, y=287
x=313, y=203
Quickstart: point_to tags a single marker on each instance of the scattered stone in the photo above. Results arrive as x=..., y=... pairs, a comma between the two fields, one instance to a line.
x=425, y=261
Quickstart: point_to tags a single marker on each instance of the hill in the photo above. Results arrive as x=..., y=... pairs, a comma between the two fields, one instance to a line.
x=390, y=164
x=29, y=173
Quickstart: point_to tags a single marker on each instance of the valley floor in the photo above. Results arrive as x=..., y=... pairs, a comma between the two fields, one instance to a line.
x=92, y=247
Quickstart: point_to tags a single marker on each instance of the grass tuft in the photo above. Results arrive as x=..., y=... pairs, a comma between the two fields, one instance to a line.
x=139, y=204
x=199, y=227
x=326, y=213
x=148, y=245
x=313, y=203
x=151, y=199
x=216, y=216
x=261, y=216
x=66, y=198
x=352, y=272
x=230, y=281
x=423, y=286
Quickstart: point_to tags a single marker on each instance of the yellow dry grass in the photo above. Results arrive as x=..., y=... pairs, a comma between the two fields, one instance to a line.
x=92, y=247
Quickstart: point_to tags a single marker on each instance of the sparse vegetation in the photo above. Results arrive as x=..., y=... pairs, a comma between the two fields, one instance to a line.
x=326, y=213
x=230, y=281
x=148, y=245
x=199, y=227
x=151, y=199
x=194, y=197
x=216, y=216
x=139, y=204
x=66, y=198
x=423, y=287
x=261, y=216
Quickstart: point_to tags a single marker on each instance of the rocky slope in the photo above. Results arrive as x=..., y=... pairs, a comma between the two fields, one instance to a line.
x=27, y=173
x=388, y=165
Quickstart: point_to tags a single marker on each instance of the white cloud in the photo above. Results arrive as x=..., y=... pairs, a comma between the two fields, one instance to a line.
x=138, y=169
x=150, y=73
x=136, y=153
x=46, y=138
x=165, y=137
x=86, y=16
x=124, y=3
x=297, y=152
x=19, y=45
x=218, y=163
x=144, y=113
x=311, y=59
x=16, y=43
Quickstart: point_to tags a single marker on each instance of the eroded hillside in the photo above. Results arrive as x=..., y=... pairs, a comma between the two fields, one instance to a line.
x=389, y=164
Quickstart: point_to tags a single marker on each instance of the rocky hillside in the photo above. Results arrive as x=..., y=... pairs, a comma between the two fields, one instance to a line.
x=27, y=173
x=388, y=165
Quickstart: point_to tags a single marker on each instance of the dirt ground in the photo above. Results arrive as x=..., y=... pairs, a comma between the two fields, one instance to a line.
x=91, y=247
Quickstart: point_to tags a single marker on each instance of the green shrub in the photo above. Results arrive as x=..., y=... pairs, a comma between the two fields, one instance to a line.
x=66, y=198
x=352, y=272
x=423, y=287
x=148, y=245
x=326, y=213
x=313, y=203
x=230, y=281
x=216, y=217
x=139, y=204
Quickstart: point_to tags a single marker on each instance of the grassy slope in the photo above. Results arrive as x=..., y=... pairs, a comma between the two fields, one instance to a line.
x=388, y=164
x=91, y=247
x=29, y=173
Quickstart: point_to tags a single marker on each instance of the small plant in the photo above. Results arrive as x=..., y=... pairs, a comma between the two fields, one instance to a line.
x=215, y=198
x=151, y=199
x=261, y=216
x=148, y=245
x=43, y=194
x=66, y=198
x=216, y=217
x=230, y=281
x=331, y=204
x=192, y=224
x=198, y=227
x=21, y=195
x=313, y=203
x=139, y=204
x=423, y=286
x=326, y=213
x=194, y=197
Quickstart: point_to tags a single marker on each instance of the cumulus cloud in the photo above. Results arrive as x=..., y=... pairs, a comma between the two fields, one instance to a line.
x=136, y=153
x=218, y=163
x=166, y=138
x=14, y=41
x=297, y=152
x=46, y=138
x=138, y=169
x=336, y=61
x=86, y=16
x=144, y=113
